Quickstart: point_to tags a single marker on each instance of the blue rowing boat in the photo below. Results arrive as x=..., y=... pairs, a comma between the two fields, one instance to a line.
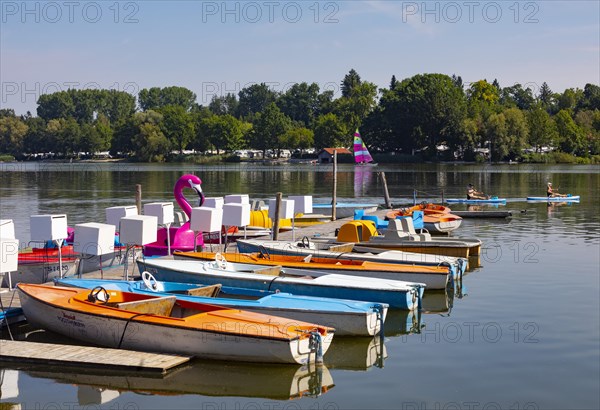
x=397, y=294
x=476, y=201
x=348, y=317
x=11, y=315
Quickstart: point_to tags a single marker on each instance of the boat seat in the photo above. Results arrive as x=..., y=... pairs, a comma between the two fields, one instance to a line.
x=211, y=291
x=158, y=306
x=395, y=231
x=271, y=270
x=342, y=247
x=407, y=226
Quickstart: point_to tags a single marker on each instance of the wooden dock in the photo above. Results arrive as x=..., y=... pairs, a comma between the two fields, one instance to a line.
x=9, y=298
x=483, y=214
x=117, y=360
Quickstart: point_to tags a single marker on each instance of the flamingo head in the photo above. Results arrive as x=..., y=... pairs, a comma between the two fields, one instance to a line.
x=188, y=181
x=195, y=183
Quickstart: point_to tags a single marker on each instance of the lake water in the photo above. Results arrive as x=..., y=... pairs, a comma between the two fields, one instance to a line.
x=523, y=331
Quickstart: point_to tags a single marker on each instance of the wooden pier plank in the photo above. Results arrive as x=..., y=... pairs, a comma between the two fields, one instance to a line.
x=87, y=356
x=9, y=298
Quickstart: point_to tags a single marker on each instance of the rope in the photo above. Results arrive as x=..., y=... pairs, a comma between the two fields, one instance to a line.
x=271, y=283
x=379, y=314
x=6, y=317
x=315, y=382
x=127, y=324
x=315, y=344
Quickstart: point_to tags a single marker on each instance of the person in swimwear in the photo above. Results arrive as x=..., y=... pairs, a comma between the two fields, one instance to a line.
x=553, y=194
x=472, y=193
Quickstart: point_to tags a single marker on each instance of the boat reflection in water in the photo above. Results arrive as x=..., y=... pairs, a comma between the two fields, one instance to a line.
x=356, y=353
x=402, y=322
x=206, y=378
x=202, y=377
x=442, y=301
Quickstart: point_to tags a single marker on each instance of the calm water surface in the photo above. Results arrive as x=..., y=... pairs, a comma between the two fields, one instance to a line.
x=523, y=331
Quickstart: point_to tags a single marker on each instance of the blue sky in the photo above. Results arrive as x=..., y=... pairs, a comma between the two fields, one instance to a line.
x=215, y=47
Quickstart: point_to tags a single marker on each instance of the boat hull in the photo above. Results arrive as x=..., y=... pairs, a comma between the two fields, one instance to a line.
x=395, y=293
x=437, y=277
x=442, y=225
x=348, y=317
x=40, y=272
x=431, y=248
x=147, y=335
x=289, y=248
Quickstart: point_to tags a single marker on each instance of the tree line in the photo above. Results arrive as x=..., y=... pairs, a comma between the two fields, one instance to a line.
x=419, y=114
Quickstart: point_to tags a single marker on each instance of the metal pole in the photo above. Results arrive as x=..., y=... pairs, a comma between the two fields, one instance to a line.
x=276, y=216
x=138, y=198
x=334, y=194
x=386, y=193
x=414, y=197
x=168, y=226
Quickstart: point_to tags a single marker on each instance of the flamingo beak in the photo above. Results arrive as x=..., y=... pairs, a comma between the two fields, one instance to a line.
x=198, y=189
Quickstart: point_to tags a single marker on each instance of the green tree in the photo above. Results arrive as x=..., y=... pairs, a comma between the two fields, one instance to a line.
x=156, y=98
x=64, y=135
x=225, y=132
x=36, y=139
x=517, y=131
x=350, y=81
x=201, y=139
x=298, y=138
x=569, y=99
x=356, y=105
x=469, y=138
x=570, y=136
x=12, y=135
x=7, y=112
x=96, y=137
x=149, y=142
x=221, y=105
x=56, y=105
x=425, y=110
x=591, y=98
x=546, y=97
x=178, y=126
x=483, y=91
x=255, y=99
x=300, y=102
x=517, y=96
x=330, y=132
x=269, y=126
x=542, y=130
x=117, y=106
x=496, y=134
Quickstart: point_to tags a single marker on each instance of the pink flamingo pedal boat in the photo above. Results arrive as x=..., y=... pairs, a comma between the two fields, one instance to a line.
x=182, y=238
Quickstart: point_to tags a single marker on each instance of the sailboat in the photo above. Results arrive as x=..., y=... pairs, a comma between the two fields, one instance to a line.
x=361, y=153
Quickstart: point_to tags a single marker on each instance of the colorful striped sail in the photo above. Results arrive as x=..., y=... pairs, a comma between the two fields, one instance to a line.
x=361, y=153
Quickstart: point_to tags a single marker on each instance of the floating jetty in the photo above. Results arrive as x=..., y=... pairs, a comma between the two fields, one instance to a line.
x=51, y=354
x=483, y=214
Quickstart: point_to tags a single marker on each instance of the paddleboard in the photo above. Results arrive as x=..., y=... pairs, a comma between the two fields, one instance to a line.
x=476, y=201
x=554, y=199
